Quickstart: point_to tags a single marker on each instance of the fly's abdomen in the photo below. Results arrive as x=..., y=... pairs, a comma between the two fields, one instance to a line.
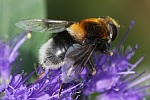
x=52, y=53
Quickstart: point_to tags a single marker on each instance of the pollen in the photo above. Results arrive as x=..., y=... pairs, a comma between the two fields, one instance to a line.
x=29, y=35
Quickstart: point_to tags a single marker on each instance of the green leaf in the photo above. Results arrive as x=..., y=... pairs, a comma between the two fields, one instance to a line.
x=13, y=11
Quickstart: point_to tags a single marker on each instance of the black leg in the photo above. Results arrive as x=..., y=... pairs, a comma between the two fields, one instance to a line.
x=91, y=67
x=61, y=87
x=107, y=52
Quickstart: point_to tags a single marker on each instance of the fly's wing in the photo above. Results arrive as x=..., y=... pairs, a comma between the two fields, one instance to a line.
x=44, y=25
x=75, y=60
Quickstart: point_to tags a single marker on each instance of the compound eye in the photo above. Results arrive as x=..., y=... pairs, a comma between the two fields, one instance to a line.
x=113, y=31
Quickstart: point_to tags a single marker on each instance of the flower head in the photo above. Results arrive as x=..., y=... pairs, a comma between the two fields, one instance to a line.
x=115, y=79
x=45, y=88
x=8, y=54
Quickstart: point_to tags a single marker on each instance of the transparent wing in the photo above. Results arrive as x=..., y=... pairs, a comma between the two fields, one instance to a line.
x=44, y=25
x=76, y=59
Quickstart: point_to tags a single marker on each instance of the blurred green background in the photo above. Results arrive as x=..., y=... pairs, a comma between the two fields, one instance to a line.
x=11, y=11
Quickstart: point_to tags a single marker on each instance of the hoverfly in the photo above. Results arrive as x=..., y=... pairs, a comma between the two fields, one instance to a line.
x=74, y=43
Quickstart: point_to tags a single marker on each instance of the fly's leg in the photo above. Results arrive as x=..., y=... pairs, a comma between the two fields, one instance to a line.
x=107, y=52
x=62, y=85
x=91, y=68
x=70, y=70
x=60, y=89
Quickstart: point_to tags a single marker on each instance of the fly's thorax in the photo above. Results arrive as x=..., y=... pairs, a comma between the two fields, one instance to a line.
x=96, y=29
x=92, y=27
x=77, y=32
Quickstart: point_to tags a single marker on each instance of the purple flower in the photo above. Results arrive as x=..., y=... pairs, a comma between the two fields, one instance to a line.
x=126, y=90
x=8, y=54
x=115, y=78
x=44, y=88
